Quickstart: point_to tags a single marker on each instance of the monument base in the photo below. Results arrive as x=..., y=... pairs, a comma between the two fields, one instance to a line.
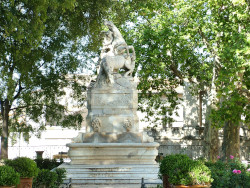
x=111, y=164
x=111, y=176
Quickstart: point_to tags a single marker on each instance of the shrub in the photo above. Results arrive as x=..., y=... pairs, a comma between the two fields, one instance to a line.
x=229, y=174
x=61, y=173
x=200, y=174
x=167, y=165
x=47, y=178
x=26, y=167
x=181, y=170
x=47, y=163
x=8, y=176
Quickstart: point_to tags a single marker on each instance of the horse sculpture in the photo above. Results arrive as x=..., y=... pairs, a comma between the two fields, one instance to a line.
x=111, y=64
x=115, y=54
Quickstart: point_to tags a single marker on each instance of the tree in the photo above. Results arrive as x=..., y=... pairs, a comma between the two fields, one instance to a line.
x=206, y=42
x=42, y=43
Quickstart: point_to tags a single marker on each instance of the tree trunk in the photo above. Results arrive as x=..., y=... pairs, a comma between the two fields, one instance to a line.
x=214, y=144
x=231, y=134
x=166, y=183
x=200, y=108
x=211, y=142
x=231, y=140
x=211, y=136
x=5, y=108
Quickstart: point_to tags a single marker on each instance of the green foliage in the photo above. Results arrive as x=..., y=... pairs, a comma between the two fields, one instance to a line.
x=61, y=175
x=180, y=169
x=206, y=42
x=42, y=44
x=47, y=178
x=167, y=165
x=201, y=43
x=226, y=174
x=47, y=163
x=24, y=166
x=200, y=173
x=8, y=176
x=49, y=175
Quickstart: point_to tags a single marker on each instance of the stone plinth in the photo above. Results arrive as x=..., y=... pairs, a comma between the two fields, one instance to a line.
x=112, y=153
x=111, y=165
x=110, y=176
x=113, y=105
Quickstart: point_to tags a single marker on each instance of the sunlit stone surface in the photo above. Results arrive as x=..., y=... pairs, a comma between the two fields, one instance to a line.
x=112, y=152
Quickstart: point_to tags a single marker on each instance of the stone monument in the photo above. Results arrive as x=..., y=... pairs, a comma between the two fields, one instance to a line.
x=112, y=152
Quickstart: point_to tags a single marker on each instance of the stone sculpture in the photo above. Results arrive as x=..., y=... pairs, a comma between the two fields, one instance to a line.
x=128, y=125
x=96, y=124
x=113, y=151
x=112, y=100
x=115, y=55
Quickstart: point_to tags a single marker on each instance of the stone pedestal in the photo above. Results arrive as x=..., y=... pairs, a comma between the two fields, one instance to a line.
x=111, y=164
x=110, y=176
x=113, y=105
x=112, y=152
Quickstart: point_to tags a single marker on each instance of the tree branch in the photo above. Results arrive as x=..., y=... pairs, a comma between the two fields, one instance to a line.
x=176, y=71
x=214, y=53
x=173, y=67
x=19, y=90
x=41, y=65
x=2, y=109
x=31, y=105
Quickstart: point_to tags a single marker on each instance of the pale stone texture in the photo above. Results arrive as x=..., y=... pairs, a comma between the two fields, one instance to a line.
x=110, y=175
x=113, y=105
x=112, y=152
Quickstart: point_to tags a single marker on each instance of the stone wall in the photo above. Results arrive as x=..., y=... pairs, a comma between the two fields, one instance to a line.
x=189, y=140
x=185, y=135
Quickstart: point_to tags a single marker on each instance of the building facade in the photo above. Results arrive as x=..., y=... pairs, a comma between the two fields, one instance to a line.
x=184, y=135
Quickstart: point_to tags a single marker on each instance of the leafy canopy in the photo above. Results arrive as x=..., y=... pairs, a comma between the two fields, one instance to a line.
x=178, y=39
x=42, y=44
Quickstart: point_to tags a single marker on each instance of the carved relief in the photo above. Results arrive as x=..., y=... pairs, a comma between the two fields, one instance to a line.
x=127, y=125
x=147, y=138
x=96, y=124
x=78, y=138
x=116, y=100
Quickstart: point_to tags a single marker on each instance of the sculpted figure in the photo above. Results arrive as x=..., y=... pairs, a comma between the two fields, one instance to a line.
x=107, y=49
x=115, y=55
x=118, y=42
x=128, y=125
x=96, y=124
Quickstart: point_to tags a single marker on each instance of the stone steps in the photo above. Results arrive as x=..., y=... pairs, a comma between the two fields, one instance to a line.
x=110, y=175
x=108, y=186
